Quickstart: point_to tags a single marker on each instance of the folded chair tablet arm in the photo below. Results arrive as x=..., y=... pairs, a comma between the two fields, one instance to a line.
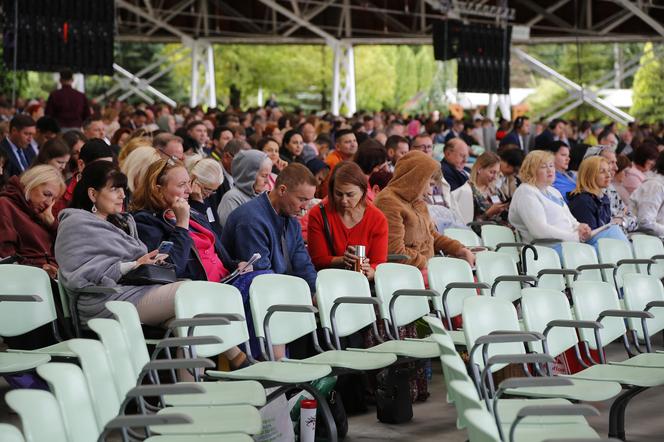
x=176, y=364
x=551, y=410
x=358, y=300
x=396, y=257
x=143, y=420
x=188, y=340
x=513, y=278
x=20, y=298
x=501, y=337
x=535, y=382
x=162, y=389
x=562, y=272
x=527, y=358
x=546, y=241
x=653, y=304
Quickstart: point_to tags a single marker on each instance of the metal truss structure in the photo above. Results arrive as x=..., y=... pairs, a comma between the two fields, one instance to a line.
x=342, y=24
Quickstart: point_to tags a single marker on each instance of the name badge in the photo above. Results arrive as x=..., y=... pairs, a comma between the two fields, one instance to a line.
x=210, y=215
x=495, y=199
x=438, y=199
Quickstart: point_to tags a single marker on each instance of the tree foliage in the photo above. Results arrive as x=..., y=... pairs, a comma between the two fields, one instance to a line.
x=648, y=93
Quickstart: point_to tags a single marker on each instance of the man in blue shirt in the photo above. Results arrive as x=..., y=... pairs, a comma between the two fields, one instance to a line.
x=17, y=145
x=267, y=225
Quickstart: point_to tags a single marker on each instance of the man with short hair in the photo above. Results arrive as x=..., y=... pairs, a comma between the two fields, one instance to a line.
x=308, y=132
x=554, y=132
x=67, y=105
x=423, y=143
x=368, y=125
x=169, y=146
x=94, y=128
x=138, y=119
x=17, y=145
x=397, y=146
x=267, y=225
x=46, y=129
x=455, y=156
x=396, y=127
x=520, y=130
x=197, y=130
x=345, y=147
x=510, y=163
x=608, y=138
x=220, y=137
x=455, y=131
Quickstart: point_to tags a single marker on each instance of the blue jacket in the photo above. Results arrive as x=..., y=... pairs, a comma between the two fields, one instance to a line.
x=589, y=209
x=153, y=229
x=255, y=227
x=564, y=184
x=511, y=138
x=453, y=176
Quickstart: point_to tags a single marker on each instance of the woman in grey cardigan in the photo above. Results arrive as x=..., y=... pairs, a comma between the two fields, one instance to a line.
x=97, y=244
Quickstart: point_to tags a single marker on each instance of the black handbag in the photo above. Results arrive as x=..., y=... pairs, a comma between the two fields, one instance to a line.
x=150, y=274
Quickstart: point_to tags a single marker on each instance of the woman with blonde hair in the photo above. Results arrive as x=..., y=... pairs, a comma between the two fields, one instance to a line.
x=206, y=176
x=137, y=163
x=537, y=209
x=589, y=203
x=132, y=145
x=27, y=224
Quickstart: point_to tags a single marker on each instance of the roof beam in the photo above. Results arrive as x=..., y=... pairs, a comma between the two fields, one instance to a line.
x=549, y=10
x=309, y=16
x=385, y=16
x=141, y=13
x=634, y=9
x=253, y=27
x=549, y=16
x=176, y=10
x=297, y=19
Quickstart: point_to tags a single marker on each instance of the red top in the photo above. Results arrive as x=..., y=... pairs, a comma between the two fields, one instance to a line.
x=370, y=232
x=204, y=243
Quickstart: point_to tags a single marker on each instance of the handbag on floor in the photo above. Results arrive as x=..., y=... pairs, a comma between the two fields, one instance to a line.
x=393, y=402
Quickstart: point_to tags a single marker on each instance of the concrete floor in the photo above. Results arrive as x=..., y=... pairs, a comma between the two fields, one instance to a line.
x=435, y=419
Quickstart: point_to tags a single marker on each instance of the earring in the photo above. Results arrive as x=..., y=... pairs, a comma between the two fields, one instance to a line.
x=94, y=208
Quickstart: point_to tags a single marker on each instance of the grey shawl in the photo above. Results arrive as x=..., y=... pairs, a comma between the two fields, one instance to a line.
x=89, y=251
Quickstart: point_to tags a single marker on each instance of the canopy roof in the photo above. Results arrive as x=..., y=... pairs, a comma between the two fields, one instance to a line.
x=383, y=21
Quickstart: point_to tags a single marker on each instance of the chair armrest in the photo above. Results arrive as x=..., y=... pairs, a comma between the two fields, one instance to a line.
x=605, y=266
x=188, y=340
x=511, y=278
x=657, y=257
x=96, y=289
x=466, y=285
x=634, y=261
x=291, y=308
x=162, y=389
x=535, y=382
x=563, y=272
x=197, y=322
x=625, y=314
x=527, y=358
x=409, y=292
x=545, y=241
x=143, y=420
x=509, y=245
x=395, y=257
x=653, y=304
x=20, y=298
x=571, y=323
x=230, y=316
x=504, y=337
x=356, y=300
x=176, y=364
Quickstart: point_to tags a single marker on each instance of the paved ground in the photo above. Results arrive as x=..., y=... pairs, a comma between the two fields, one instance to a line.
x=434, y=420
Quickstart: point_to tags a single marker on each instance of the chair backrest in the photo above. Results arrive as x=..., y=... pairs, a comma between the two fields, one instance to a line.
x=590, y=298
x=9, y=433
x=489, y=266
x=492, y=235
x=645, y=247
x=610, y=251
x=389, y=278
x=18, y=318
x=99, y=377
x=539, y=307
x=40, y=415
x=481, y=426
x=199, y=297
x=271, y=289
x=547, y=258
x=68, y=384
x=442, y=271
x=127, y=315
x=576, y=254
x=117, y=351
x=336, y=283
x=483, y=315
x=465, y=236
x=638, y=291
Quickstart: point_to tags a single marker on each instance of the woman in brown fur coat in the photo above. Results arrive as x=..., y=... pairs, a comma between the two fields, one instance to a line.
x=411, y=231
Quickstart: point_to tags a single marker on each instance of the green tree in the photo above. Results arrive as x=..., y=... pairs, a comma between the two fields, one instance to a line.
x=375, y=75
x=648, y=92
x=406, y=81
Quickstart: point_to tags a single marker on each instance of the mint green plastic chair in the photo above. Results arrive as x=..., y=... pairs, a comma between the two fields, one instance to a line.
x=276, y=305
x=501, y=239
x=583, y=258
x=453, y=279
x=40, y=415
x=501, y=274
x=9, y=433
x=649, y=247
x=465, y=236
x=618, y=253
x=216, y=393
x=547, y=268
x=27, y=303
x=646, y=293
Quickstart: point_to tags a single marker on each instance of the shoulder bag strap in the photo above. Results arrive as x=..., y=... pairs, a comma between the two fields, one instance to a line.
x=326, y=228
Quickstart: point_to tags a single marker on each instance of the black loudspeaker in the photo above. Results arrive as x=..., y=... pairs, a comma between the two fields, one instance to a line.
x=446, y=39
x=51, y=35
x=484, y=59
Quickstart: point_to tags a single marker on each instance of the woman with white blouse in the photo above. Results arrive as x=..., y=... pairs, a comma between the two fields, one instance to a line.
x=537, y=209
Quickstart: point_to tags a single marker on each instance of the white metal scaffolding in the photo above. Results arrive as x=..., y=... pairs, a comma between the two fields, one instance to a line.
x=343, y=79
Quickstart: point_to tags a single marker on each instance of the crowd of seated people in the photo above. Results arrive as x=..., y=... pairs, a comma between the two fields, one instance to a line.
x=94, y=203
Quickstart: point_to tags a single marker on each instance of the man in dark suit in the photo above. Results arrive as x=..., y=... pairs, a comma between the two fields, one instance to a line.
x=16, y=145
x=555, y=132
x=455, y=153
x=517, y=136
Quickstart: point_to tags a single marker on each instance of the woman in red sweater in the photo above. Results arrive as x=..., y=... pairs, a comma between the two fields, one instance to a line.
x=352, y=221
